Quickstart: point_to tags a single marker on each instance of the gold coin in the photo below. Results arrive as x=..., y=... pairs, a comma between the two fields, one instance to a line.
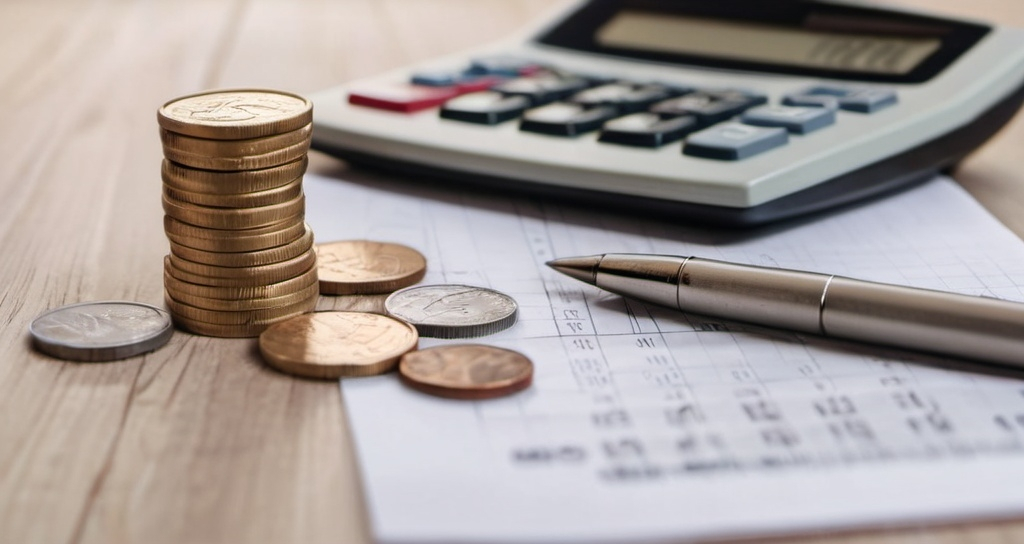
x=235, y=114
x=244, y=304
x=277, y=195
x=272, y=290
x=246, y=181
x=363, y=267
x=467, y=371
x=265, y=274
x=250, y=162
x=233, y=241
x=219, y=331
x=213, y=281
x=336, y=344
x=246, y=258
x=234, y=218
x=233, y=148
x=245, y=317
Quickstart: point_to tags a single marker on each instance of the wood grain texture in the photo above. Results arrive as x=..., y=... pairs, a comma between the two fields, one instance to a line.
x=200, y=442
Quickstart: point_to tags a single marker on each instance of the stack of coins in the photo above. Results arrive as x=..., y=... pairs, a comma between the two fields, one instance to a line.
x=242, y=257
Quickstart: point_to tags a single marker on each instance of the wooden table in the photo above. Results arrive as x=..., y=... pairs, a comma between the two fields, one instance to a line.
x=200, y=442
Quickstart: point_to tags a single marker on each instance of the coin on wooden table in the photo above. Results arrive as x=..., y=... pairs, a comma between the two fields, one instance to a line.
x=362, y=267
x=239, y=317
x=101, y=331
x=249, y=162
x=233, y=148
x=265, y=274
x=337, y=344
x=234, y=218
x=272, y=290
x=233, y=241
x=453, y=311
x=467, y=371
x=245, y=181
x=276, y=195
x=246, y=258
x=235, y=114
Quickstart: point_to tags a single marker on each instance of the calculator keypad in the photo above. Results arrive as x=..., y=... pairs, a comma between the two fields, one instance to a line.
x=720, y=124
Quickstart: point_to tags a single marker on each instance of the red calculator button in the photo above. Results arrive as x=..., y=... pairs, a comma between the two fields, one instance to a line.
x=402, y=97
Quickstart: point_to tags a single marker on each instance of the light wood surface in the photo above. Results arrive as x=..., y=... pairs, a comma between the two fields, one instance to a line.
x=200, y=442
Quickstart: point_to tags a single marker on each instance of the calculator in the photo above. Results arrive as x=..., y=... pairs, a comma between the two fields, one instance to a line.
x=726, y=113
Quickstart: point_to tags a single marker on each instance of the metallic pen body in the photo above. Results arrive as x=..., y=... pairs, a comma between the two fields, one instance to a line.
x=978, y=328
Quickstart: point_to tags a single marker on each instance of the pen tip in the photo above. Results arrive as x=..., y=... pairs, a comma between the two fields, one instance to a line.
x=581, y=268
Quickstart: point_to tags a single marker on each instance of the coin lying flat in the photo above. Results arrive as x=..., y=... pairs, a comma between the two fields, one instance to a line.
x=233, y=241
x=467, y=371
x=101, y=331
x=249, y=162
x=262, y=257
x=234, y=218
x=337, y=344
x=254, y=199
x=453, y=311
x=362, y=267
x=235, y=114
x=245, y=181
x=233, y=148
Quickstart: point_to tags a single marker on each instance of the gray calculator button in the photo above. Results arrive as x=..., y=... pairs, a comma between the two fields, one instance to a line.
x=734, y=141
x=811, y=101
x=796, y=120
x=857, y=99
x=868, y=100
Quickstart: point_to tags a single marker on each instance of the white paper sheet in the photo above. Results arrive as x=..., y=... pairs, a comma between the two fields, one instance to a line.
x=648, y=425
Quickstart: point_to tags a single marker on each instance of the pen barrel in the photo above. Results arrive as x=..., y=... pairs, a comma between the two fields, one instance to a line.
x=979, y=328
x=773, y=297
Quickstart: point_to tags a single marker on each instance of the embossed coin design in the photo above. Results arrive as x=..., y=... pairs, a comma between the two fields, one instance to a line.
x=453, y=311
x=351, y=267
x=337, y=344
x=467, y=371
x=101, y=331
x=235, y=114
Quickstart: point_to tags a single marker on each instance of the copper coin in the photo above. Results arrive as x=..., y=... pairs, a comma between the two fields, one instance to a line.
x=302, y=294
x=351, y=267
x=337, y=344
x=254, y=199
x=266, y=274
x=233, y=218
x=467, y=371
x=234, y=148
x=238, y=317
x=249, y=162
x=266, y=277
x=272, y=255
x=233, y=241
x=298, y=283
x=235, y=114
x=245, y=181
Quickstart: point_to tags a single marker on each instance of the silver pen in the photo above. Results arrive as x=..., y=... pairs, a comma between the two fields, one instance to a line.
x=978, y=328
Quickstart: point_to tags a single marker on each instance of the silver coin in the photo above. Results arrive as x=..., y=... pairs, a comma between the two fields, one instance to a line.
x=453, y=311
x=101, y=331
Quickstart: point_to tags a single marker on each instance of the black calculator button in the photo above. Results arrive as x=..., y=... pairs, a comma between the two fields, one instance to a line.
x=484, y=108
x=647, y=130
x=623, y=96
x=565, y=119
x=796, y=120
x=708, y=108
x=543, y=88
x=734, y=141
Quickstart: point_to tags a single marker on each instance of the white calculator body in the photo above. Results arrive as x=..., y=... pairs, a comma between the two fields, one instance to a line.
x=730, y=113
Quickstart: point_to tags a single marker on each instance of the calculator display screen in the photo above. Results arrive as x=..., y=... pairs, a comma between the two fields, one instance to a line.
x=859, y=52
x=835, y=39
